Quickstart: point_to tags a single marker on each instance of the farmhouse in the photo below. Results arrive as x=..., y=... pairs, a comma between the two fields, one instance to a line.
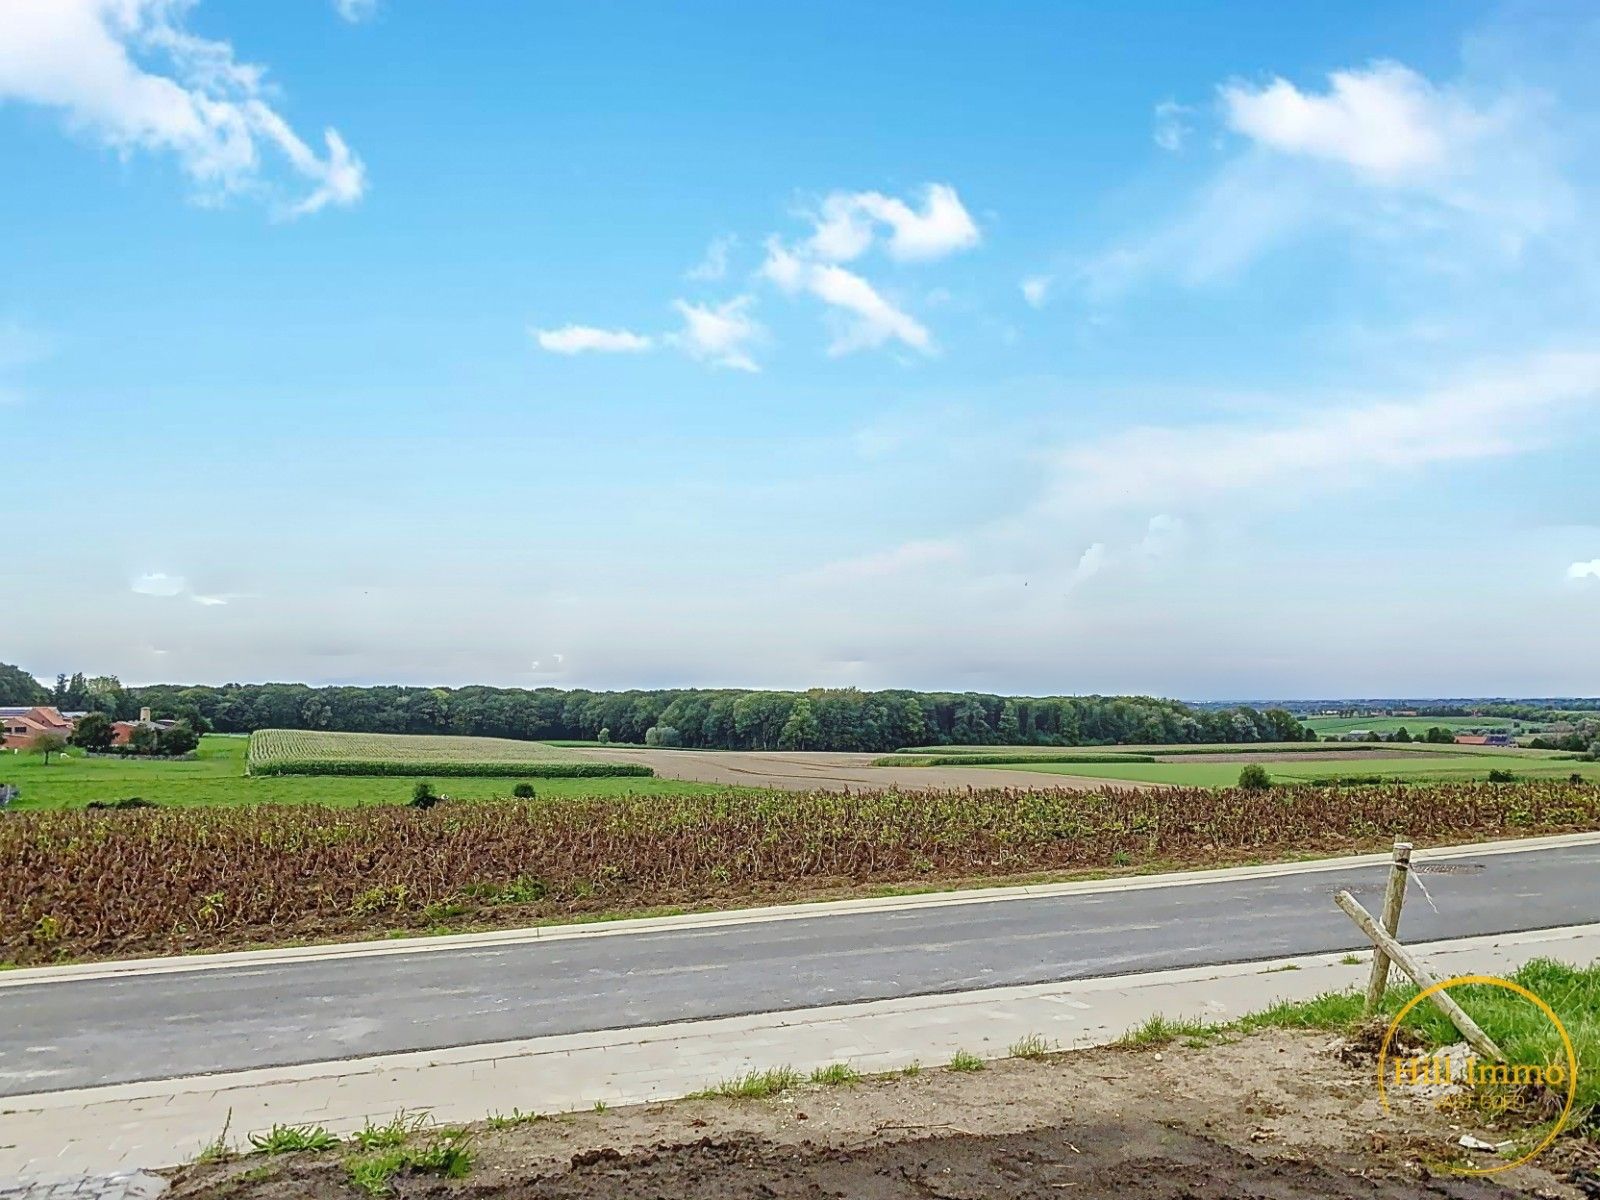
x=1484, y=739
x=24, y=726
x=122, y=731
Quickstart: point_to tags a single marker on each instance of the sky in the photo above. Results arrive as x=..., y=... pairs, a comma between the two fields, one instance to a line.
x=1212, y=351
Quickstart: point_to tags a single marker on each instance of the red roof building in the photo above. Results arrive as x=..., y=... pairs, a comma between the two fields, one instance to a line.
x=22, y=727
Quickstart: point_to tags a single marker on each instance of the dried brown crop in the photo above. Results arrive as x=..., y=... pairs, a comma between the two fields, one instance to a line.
x=80, y=884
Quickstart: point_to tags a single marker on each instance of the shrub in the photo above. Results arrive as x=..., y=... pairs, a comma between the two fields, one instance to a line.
x=181, y=739
x=1500, y=776
x=523, y=791
x=93, y=732
x=1254, y=778
x=423, y=795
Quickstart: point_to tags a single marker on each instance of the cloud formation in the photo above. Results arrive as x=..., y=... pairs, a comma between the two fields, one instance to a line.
x=721, y=334
x=868, y=319
x=1385, y=122
x=356, y=11
x=1433, y=173
x=1490, y=412
x=1584, y=570
x=847, y=225
x=581, y=339
x=126, y=73
x=714, y=265
x=159, y=583
x=1172, y=126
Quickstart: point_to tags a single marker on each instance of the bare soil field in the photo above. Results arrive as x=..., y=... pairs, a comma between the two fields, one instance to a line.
x=814, y=770
x=1276, y=1116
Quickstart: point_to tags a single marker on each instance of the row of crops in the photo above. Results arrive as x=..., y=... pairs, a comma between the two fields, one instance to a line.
x=82, y=884
x=310, y=752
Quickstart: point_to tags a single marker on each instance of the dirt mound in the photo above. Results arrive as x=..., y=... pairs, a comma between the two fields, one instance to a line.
x=1143, y=1161
x=1271, y=1117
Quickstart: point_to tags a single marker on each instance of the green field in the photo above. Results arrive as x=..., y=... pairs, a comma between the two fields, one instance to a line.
x=1091, y=753
x=1413, y=725
x=216, y=776
x=1200, y=773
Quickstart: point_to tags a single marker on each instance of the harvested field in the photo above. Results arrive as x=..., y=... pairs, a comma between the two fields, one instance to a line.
x=810, y=770
x=97, y=884
x=1276, y=1116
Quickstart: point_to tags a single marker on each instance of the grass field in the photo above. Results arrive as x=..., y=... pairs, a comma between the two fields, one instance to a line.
x=314, y=752
x=1413, y=725
x=1418, y=767
x=216, y=776
x=1188, y=748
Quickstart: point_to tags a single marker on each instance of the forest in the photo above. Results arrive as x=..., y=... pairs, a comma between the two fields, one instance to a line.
x=725, y=719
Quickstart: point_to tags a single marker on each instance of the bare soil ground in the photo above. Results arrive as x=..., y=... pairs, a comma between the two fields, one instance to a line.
x=1277, y=1116
x=815, y=770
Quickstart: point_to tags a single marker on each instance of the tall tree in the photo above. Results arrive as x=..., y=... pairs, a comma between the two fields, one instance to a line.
x=18, y=688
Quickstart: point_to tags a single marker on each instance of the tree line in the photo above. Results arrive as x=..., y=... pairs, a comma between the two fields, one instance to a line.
x=724, y=719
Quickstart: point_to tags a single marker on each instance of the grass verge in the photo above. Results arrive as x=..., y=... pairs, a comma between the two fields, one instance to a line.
x=1521, y=1030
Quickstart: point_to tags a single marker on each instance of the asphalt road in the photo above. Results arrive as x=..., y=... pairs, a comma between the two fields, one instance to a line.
x=80, y=1033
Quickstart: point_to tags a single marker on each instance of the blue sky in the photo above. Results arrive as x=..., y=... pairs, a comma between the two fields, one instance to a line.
x=1209, y=351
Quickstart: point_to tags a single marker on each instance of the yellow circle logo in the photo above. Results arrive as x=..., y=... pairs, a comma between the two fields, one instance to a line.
x=1428, y=1069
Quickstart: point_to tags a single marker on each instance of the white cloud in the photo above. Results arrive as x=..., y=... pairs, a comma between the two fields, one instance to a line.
x=842, y=231
x=844, y=228
x=721, y=334
x=1385, y=122
x=1036, y=290
x=1172, y=127
x=580, y=339
x=1584, y=570
x=208, y=601
x=1161, y=537
x=1491, y=413
x=714, y=265
x=1090, y=563
x=873, y=320
x=913, y=557
x=356, y=11
x=158, y=583
x=1443, y=178
x=127, y=73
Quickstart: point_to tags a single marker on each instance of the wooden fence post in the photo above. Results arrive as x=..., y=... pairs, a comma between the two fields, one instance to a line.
x=1394, y=897
x=1424, y=978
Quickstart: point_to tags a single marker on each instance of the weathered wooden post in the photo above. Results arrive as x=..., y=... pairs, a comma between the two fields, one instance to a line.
x=1394, y=897
x=1424, y=978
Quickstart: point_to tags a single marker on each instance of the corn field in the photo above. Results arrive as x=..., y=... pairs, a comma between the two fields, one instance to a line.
x=314, y=752
x=92, y=884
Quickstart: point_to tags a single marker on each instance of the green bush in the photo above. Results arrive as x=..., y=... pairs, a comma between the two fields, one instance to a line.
x=523, y=791
x=1254, y=778
x=423, y=795
x=1500, y=776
